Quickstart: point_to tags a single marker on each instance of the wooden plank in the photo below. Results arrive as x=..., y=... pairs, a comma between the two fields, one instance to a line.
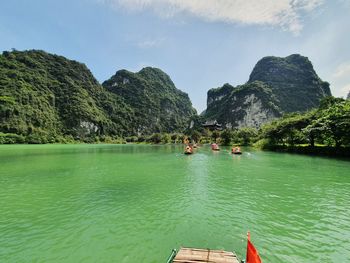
x=196, y=255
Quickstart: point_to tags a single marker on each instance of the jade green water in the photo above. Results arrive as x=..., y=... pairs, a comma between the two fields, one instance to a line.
x=128, y=203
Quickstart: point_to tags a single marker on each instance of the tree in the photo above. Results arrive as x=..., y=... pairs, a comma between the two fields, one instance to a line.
x=174, y=137
x=271, y=132
x=196, y=136
x=334, y=122
x=246, y=135
x=156, y=138
x=166, y=138
x=288, y=129
x=329, y=124
x=226, y=137
x=215, y=135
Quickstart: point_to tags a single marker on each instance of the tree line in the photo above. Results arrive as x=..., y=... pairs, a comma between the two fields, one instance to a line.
x=326, y=126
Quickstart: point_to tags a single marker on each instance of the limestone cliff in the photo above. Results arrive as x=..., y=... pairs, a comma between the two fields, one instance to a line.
x=247, y=105
x=276, y=86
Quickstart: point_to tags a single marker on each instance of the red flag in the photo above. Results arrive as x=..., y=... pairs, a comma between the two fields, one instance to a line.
x=252, y=253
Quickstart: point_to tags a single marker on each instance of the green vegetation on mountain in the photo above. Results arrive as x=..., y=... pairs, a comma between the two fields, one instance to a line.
x=276, y=86
x=293, y=80
x=158, y=105
x=48, y=98
x=45, y=97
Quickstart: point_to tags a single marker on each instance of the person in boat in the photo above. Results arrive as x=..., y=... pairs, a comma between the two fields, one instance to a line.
x=188, y=149
x=236, y=149
x=214, y=146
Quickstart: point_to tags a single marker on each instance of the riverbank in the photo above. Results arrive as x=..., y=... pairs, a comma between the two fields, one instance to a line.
x=311, y=150
x=156, y=138
x=178, y=139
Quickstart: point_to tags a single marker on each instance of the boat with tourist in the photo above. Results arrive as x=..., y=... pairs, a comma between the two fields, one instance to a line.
x=188, y=149
x=236, y=150
x=215, y=147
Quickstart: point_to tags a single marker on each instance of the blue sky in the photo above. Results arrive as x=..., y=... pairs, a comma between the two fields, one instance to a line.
x=201, y=44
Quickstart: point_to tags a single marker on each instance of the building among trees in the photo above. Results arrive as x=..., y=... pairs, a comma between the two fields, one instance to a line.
x=212, y=125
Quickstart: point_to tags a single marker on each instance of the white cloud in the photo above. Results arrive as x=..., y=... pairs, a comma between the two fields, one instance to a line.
x=340, y=79
x=150, y=43
x=143, y=64
x=283, y=13
x=346, y=89
x=343, y=70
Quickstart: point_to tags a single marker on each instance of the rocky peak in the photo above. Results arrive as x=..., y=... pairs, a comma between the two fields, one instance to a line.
x=157, y=103
x=157, y=75
x=294, y=81
x=294, y=68
x=218, y=93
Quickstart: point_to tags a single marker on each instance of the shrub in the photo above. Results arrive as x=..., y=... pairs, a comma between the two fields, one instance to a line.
x=11, y=138
x=263, y=144
x=35, y=139
x=141, y=138
x=131, y=139
x=166, y=138
x=156, y=138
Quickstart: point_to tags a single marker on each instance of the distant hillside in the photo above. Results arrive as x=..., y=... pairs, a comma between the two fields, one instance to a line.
x=49, y=96
x=158, y=105
x=276, y=86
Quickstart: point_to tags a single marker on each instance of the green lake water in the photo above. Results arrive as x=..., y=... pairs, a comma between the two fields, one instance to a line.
x=129, y=203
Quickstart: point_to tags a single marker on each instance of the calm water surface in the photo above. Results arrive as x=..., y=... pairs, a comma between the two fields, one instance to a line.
x=127, y=203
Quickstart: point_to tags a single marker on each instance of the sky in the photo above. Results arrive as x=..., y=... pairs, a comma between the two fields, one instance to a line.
x=200, y=44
